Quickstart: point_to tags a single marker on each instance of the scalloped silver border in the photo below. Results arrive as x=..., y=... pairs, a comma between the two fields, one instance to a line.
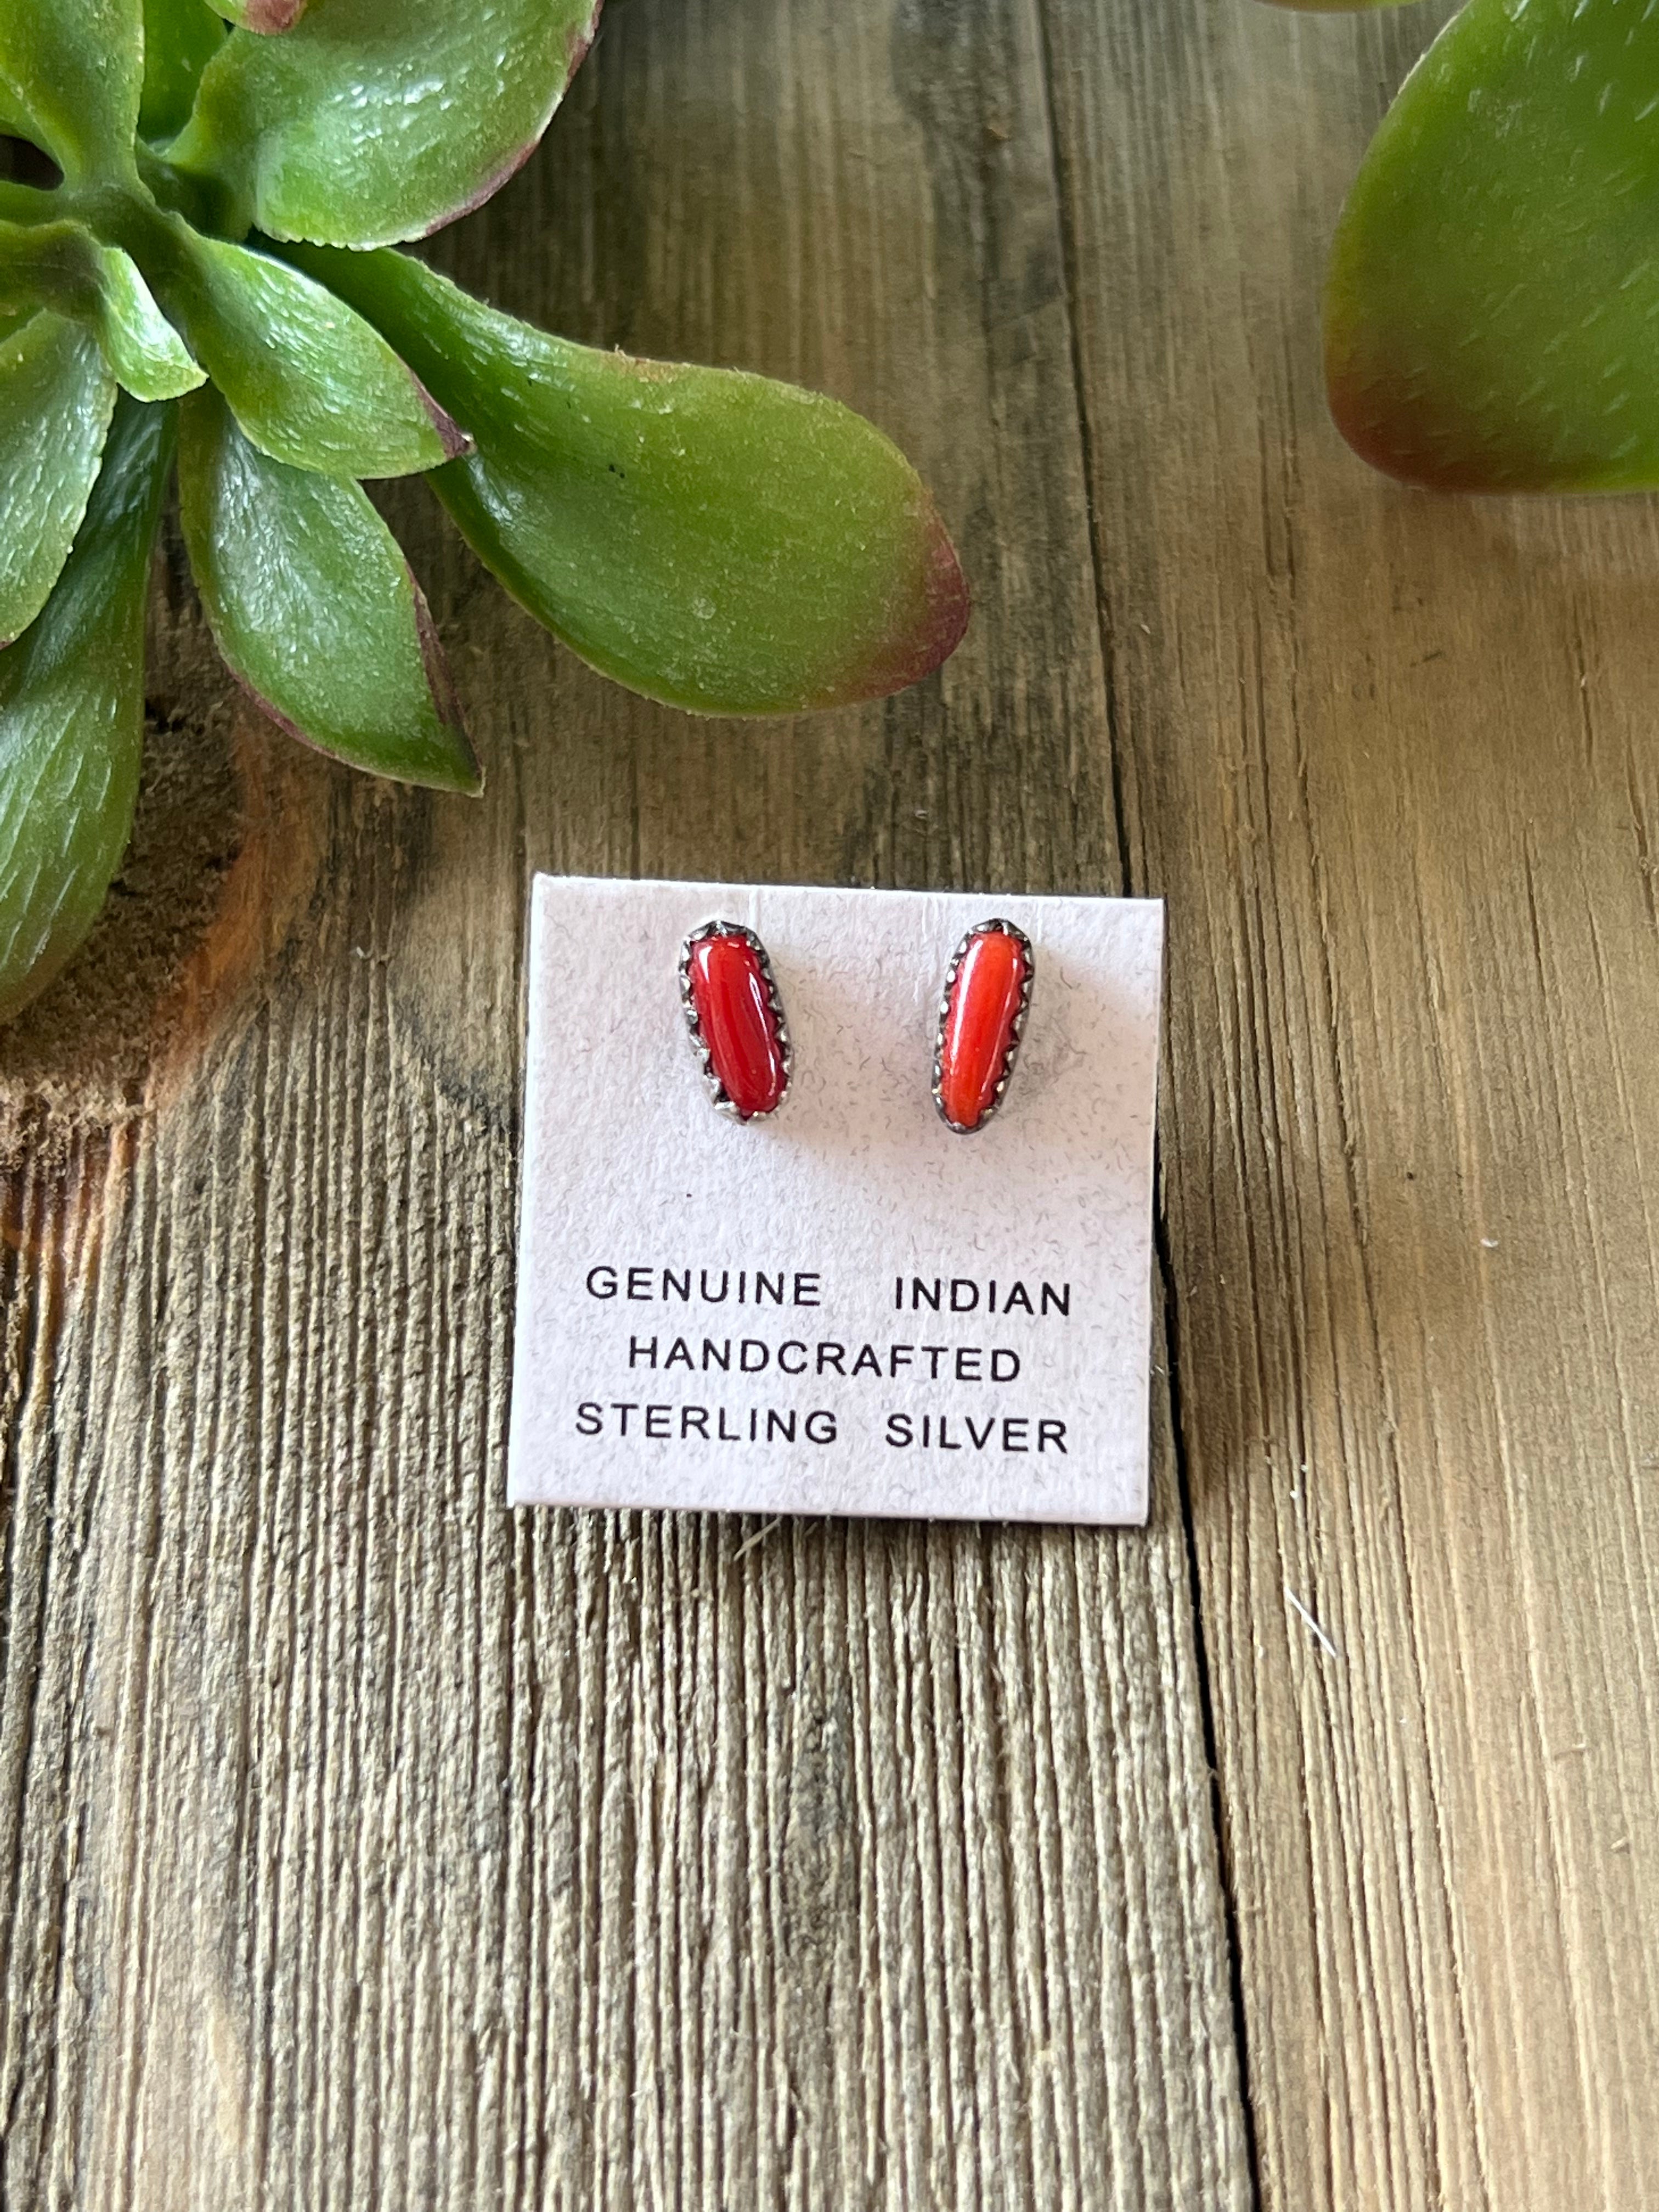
x=997, y=927
x=717, y=1091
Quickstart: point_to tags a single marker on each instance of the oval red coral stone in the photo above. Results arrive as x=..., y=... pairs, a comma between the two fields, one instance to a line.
x=978, y=1032
x=739, y=1026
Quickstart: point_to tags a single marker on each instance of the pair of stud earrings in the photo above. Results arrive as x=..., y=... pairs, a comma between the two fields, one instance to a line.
x=736, y=1017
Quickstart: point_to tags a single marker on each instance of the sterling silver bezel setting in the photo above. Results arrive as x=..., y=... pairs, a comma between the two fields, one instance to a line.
x=997, y=927
x=718, y=1093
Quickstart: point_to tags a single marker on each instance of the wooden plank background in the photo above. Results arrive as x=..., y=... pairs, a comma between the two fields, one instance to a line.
x=365, y=1846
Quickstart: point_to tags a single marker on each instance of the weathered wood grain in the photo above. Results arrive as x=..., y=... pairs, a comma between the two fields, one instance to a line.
x=365, y=1846
x=1391, y=759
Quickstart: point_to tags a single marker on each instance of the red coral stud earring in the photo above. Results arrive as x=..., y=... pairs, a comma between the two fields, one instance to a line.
x=736, y=1019
x=981, y=1014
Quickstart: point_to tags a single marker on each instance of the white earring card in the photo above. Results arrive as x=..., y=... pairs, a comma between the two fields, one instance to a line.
x=843, y=1308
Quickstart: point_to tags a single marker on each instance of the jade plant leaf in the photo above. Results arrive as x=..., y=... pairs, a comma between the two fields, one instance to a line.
x=14, y=122
x=62, y=267
x=713, y=539
x=145, y=353
x=373, y=120
x=1494, y=294
x=74, y=69
x=310, y=382
x=263, y=15
x=180, y=39
x=24, y=203
x=55, y=400
x=72, y=717
x=314, y=609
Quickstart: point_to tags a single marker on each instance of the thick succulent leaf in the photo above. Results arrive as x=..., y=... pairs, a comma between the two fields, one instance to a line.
x=715, y=540
x=1493, y=296
x=72, y=718
x=380, y=119
x=15, y=122
x=265, y=16
x=180, y=39
x=314, y=608
x=311, y=383
x=25, y=204
x=55, y=400
x=74, y=69
x=62, y=267
x=146, y=354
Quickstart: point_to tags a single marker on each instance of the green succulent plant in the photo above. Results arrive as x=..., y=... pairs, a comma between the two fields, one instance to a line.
x=1493, y=290
x=213, y=276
